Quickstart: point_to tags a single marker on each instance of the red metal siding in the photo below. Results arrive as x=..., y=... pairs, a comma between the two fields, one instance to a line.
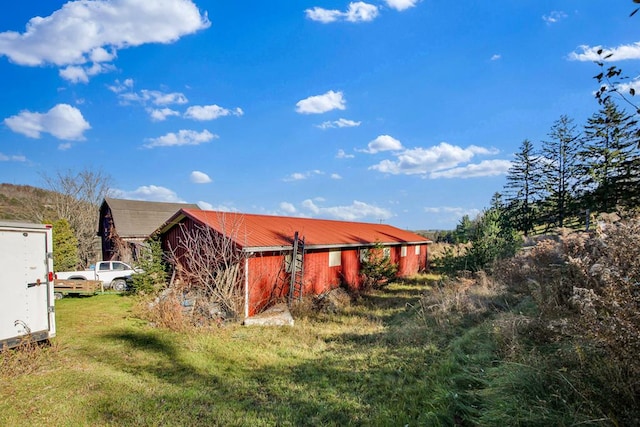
x=268, y=281
x=351, y=268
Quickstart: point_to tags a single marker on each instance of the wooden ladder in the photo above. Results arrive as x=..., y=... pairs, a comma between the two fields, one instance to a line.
x=297, y=269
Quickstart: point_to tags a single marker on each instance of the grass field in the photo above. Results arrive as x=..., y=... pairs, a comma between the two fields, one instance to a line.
x=379, y=362
x=108, y=367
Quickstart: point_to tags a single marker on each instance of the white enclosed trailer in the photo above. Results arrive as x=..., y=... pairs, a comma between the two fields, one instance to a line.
x=26, y=283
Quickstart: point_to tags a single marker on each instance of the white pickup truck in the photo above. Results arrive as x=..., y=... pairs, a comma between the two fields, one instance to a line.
x=112, y=274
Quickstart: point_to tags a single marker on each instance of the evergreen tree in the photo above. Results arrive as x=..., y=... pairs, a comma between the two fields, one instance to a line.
x=464, y=230
x=493, y=239
x=65, y=246
x=524, y=188
x=560, y=169
x=152, y=274
x=610, y=163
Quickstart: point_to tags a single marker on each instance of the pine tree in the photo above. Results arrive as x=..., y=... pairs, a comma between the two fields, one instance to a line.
x=524, y=188
x=464, y=230
x=152, y=274
x=560, y=169
x=610, y=163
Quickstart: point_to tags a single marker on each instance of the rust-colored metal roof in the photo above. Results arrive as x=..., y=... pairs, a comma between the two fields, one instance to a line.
x=264, y=232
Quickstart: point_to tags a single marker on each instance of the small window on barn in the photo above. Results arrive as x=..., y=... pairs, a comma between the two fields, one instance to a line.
x=403, y=251
x=335, y=258
x=417, y=249
x=363, y=255
x=387, y=252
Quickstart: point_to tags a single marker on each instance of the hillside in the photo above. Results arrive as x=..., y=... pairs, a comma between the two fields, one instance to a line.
x=24, y=202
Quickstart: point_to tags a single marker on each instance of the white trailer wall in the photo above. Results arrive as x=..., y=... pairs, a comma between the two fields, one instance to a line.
x=26, y=283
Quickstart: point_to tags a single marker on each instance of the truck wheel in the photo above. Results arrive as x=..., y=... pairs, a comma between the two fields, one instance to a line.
x=58, y=295
x=119, y=285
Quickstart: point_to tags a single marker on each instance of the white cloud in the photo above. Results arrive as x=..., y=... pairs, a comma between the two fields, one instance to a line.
x=150, y=193
x=198, y=177
x=554, y=17
x=401, y=4
x=430, y=161
x=342, y=155
x=620, y=53
x=323, y=15
x=62, y=121
x=383, y=143
x=484, y=168
x=183, y=137
x=356, y=12
x=87, y=33
x=447, y=213
x=340, y=123
x=361, y=12
x=210, y=112
x=288, y=208
x=299, y=176
x=159, y=115
x=76, y=74
x=633, y=84
x=119, y=87
x=220, y=208
x=335, y=176
x=13, y=158
x=452, y=210
x=321, y=103
x=205, y=206
x=495, y=57
x=154, y=97
x=354, y=212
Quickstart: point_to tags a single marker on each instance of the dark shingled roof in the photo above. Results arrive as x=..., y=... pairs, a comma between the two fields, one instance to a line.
x=137, y=218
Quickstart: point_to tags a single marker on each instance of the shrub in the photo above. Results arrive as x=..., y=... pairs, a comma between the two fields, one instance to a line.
x=377, y=269
x=65, y=246
x=152, y=275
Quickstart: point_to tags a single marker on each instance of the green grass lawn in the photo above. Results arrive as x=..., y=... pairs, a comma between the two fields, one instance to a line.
x=362, y=367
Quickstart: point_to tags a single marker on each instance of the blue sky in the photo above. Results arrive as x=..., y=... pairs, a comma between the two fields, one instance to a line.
x=402, y=111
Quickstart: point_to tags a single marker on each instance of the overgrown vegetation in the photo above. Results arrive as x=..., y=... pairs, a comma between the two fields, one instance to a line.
x=206, y=287
x=481, y=242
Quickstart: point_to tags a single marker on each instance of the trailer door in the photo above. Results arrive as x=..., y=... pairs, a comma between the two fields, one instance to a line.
x=24, y=287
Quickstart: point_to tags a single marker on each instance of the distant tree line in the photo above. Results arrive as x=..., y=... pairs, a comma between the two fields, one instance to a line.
x=573, y=174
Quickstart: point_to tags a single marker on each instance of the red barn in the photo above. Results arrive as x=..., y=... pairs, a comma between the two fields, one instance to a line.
x=329, y=251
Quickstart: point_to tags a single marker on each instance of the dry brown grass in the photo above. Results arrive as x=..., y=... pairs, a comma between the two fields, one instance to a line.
x=586, y=288
x=453, y=300
x=163, y=312
x=28, y=357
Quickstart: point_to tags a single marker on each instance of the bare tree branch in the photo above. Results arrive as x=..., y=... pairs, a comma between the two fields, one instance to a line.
x=211, y=264
x=77, y=197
